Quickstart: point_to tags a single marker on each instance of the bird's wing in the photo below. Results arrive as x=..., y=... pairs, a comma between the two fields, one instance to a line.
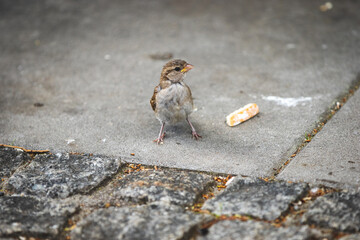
x=187, y=101
x=153, y=98
x=189, y=98
x=189, y=92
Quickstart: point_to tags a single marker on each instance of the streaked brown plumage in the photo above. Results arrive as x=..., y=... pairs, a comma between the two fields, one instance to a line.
x=172, y=100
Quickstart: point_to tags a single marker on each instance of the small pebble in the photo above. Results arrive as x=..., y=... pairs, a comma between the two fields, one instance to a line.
x=38, y=104
x=314, y=190
x=326, y=7
x=70, y=141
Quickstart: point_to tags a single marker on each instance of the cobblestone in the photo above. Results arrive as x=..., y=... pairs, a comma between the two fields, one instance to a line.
x=10, y=160
x=155, y=221
x=61, y=175
x=171, y=186
x=339, y=211
x=33, y=217
x=250, y=230
x=351, y=237
x=256, y=197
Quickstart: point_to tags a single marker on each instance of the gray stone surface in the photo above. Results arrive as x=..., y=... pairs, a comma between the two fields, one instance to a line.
x=339, y=211
x=62, y=175
x=255, y=197
x=29, y=216
x=332, y=158
x=171, y=186
x=250, y=230
x=351, y=237
x=152, y=221
x=88, y=64
x=10, y=160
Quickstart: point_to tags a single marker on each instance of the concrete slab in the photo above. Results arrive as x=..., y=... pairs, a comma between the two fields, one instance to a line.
x=332, y=158
x=81, y=71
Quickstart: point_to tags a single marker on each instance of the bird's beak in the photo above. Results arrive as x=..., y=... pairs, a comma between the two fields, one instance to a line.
x=187, y=68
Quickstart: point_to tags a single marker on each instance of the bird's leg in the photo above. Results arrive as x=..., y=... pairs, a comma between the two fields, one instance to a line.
x=160, y=139
x=194, y=134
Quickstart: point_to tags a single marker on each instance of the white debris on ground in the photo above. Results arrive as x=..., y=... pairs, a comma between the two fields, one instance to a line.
x=287, y=102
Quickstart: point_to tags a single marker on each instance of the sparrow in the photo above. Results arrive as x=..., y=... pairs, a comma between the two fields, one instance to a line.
x=172, y=100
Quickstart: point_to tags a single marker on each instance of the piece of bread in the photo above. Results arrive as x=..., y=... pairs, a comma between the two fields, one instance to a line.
x=242, y=114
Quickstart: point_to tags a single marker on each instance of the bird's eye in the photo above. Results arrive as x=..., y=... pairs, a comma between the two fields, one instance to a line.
x=177, y=69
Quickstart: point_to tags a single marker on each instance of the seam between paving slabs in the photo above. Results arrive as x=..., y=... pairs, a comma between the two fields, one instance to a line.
x=198, y=205
x=72, y=221
x=195, y=230
x=281, y=221
x=129, y=168
x=135, y=161
x=199, y=198
x=108, y=179
x=324, y=118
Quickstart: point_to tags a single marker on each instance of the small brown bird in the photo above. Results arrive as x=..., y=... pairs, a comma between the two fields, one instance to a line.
x=172, y=100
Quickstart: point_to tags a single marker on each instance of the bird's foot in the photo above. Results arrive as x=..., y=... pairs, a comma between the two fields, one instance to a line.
x=160, y=139
x=195, y=135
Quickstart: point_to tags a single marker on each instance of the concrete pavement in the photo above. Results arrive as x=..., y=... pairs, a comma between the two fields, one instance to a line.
x=77, y=77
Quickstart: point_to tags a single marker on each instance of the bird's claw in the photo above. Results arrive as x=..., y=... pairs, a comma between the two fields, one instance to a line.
x=160, y=140
x=196, y=136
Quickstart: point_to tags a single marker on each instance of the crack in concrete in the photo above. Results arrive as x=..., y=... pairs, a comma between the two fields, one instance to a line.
x=334, y=107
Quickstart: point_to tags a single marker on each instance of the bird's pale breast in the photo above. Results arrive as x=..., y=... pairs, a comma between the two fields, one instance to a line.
x=173, y=103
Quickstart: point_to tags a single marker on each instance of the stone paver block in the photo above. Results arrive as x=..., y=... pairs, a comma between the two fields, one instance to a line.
x=33, y=217
x=351, y=237
x=10, y=160
x=172, y=186
x=255, y=230
x=62, y=175
x=340, y=211
x=154, y=221
x=256, y=197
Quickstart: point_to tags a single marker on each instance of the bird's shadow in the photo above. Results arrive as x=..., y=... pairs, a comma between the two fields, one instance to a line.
x=180, y=130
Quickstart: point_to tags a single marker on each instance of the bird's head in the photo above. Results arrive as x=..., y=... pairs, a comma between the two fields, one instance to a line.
x=175, y=70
